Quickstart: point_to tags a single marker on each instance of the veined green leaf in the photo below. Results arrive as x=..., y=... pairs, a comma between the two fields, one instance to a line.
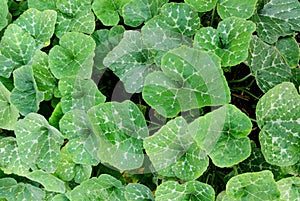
x=135, y=12
x=190, y=79
x=192, y=190
x=222, y=133
x=253, y=186
x=278, y=117
x=277, y=18
x=9, y=114
x=25, y=96
x=42, y=4
x=121, y=128
x=131, y=61
x=40, y=25
x=138, y=192
x=289, y=188
x=289, y=50
x=202, y=5
x=236, y=8
x=38, y=142
x=17, y=49
x=296, y=77
x=3, y=14
x=74, y=56
x=230, y=41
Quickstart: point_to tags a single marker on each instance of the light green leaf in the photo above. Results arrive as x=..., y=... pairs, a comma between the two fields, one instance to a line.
x=45, y=81
x=10, y=160
x=267, y=64
x=74, y=16
x=190, y=79
x=42, y=4
x=289, y=50
x=289, y=188
x=253, y=186
x=135, y=12
x=138, y=192
x=78, y=93
x=13, y=191
x=39, y=143
x=40, y=25
x=56, y=115
x=121, y=128
x=173, y=153
x=105, y=187
x=223, y=133
x=202, y=5
x=17, y=49
x=236, y=8
x=3, y=14
x=83, y=144
x=25, y=96
x=74, y=56
x=50, y=182
x=278, y=117
x=277, y=18
x=9, y=114
x=192, y=190
x=131, y=61
x=173, y=27
x=230, y=41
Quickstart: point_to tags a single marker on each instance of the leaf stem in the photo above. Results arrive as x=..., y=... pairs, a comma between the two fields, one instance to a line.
x=241, y=80
x=212, y=16
x=246, y=91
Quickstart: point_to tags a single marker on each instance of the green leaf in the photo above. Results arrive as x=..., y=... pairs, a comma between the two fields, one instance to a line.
x=135, y=12
x=56, y=115
x=289, y=50
x=74, y=16
x=25, y=96
x=289, y=188
x=253, y=186
x=189, y=79
x=10, y=160
x=173, y=153
x=39, y=143
x=17, y=49
x=192, y=190
x=131, y=61
x=173, y=27
x=74, y=56
x=202, y=5
x=40, y=25
x=138, y=192
x=121, y=128
x=236, y=8
x=277, y=18
x=278, y=117
x=9, y=114
x=83, y=144
x=42, y=4
x=13, y=191
x=50, y=182
x=222, y=134
x=105, y=187
x=78, y=93
x=3, y=14
x=230, y=41
x=296, y=77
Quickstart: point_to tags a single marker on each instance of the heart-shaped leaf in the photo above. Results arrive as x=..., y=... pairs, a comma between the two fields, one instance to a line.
x=3, y=14
x=289, y=188
x=138, y=192
x=236, y=8
x=202, y=5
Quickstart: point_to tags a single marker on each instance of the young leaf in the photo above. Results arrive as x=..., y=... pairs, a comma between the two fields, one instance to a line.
x=38, y=142
x=74, y=16
x=83, y=144
x=138, y=192
x=202, y=5
x=222, y=133
x=289, y=188
x=78, y=93
x=277, y=18
x=192, y=190
x=11, y=191
x=74, y=56
x=190, y=79
x=56, y=115
x=121, y=128
x=278, y=117
x=40, y=25
x=135, y=12
x=131, y=61
x=17, y=49
x=232, y=46
x=173, y=153
x=9, y=114
x=253, y=186
x=3, y=14
x=25, y=96
x=42, y=5
x=236, y=8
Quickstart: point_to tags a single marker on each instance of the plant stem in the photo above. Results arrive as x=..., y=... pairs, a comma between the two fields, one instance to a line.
x=246, y=91
x=254, y=120
x=212, y=16
x=241, y=80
